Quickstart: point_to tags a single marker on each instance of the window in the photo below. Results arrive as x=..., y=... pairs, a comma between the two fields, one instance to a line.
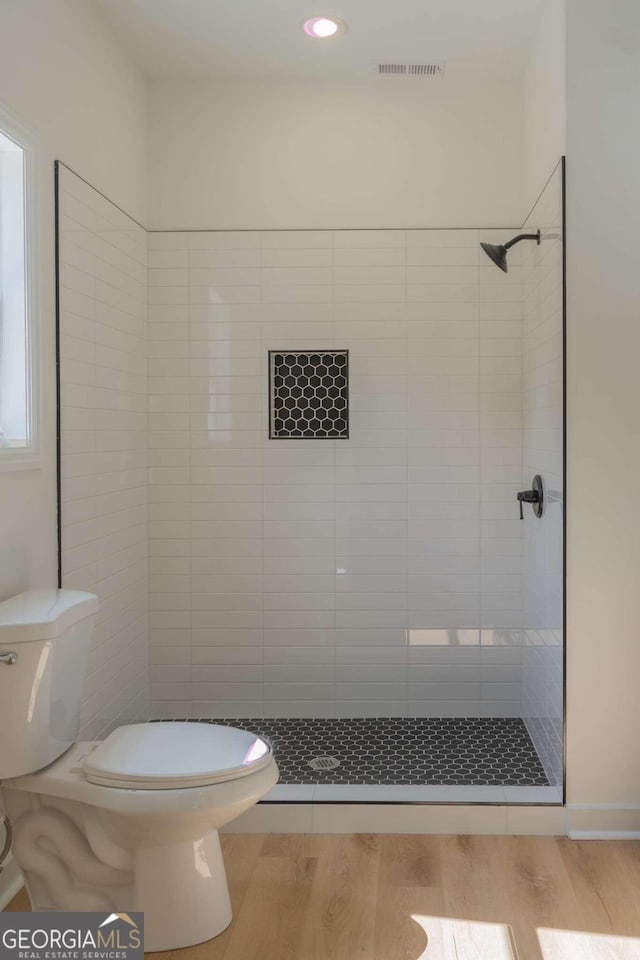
x=17, y=441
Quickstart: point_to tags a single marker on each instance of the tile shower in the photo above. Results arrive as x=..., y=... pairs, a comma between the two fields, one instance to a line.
x=103, y=385
x=333, y=579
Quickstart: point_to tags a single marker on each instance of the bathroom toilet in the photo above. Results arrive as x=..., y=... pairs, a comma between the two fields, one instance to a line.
x=125, y=824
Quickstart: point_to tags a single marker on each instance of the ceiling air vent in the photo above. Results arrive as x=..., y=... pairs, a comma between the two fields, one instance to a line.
x=400, y=70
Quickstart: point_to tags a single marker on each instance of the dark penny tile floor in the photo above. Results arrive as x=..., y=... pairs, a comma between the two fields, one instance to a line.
x=460, y=751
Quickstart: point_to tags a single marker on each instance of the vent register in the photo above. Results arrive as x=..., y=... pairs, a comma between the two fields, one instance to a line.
x=308, y=394
x=415, y=70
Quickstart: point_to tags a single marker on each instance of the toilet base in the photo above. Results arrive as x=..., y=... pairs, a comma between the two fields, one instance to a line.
x=182, y=890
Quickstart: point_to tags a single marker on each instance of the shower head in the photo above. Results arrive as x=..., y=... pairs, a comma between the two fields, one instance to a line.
x=498, y=253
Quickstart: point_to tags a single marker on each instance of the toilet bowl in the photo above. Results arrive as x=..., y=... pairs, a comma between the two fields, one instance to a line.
x=129, y=823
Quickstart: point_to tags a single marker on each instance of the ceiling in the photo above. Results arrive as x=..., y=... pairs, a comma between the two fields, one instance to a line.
x=196, y=39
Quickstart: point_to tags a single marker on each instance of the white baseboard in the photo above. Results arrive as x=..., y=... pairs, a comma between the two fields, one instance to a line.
x=401, y=818
x=10, y=882
x=604, y=835
x=609, y=821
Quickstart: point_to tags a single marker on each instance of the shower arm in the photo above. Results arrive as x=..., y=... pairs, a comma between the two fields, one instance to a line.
x=522, y=236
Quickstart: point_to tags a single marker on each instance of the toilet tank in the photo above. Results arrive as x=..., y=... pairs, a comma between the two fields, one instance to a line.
x=45, y=638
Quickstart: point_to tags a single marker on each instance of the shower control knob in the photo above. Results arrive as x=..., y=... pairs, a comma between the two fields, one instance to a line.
x=534, y=496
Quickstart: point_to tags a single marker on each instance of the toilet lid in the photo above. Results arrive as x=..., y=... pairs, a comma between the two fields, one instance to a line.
x=157, y=756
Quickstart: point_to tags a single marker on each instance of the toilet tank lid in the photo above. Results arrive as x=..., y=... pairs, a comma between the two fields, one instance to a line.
x=43, y=614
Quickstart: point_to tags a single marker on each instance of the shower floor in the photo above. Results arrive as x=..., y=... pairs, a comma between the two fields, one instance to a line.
x=399, y=751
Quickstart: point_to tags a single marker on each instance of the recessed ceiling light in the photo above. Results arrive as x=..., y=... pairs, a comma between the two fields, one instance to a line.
x=322, y=28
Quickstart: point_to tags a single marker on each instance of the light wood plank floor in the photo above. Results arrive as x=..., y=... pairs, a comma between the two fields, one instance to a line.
x=366, y=897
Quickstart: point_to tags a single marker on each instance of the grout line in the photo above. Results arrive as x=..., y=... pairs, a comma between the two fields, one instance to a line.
x=406, y=460
x=334, y=326
x=320, y=229
x=265, y=432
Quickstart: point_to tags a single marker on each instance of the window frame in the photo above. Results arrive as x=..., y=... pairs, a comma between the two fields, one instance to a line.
x=29, y=456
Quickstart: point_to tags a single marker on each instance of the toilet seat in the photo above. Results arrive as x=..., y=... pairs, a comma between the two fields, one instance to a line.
x=175, y=755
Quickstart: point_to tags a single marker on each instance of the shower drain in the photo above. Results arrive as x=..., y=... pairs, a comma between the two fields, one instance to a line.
x=324, y=763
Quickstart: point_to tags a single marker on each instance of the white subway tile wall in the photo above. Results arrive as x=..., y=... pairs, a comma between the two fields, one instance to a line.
x=542, y=453
x=103, y=346
x=379, y=575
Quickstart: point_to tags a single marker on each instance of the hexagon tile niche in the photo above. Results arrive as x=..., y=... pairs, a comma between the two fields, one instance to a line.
x=309, y=394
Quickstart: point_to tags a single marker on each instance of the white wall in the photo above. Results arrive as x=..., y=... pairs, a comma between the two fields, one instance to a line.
x=64, y=75
x=381, y=154
x=603, y=227
x=544, y=102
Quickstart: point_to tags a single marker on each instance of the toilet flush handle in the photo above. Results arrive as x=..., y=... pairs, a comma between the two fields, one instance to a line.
x=9, y=658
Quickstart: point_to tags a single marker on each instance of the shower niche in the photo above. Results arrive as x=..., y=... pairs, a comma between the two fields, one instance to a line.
x=309, y=394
